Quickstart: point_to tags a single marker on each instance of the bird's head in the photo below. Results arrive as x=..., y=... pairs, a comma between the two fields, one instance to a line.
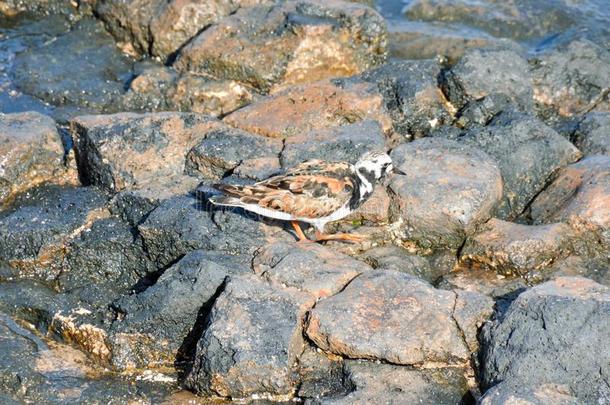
x=375, y=165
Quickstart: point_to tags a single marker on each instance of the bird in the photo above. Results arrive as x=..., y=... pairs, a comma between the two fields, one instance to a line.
x=315, y=192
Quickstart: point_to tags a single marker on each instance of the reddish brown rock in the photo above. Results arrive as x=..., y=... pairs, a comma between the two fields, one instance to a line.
x=447, y=190
x=389, y=316
x=288, y=43
x=515, y=249
x=315, y=106
x=310, y=267
x=471, y=311
x=31, y=152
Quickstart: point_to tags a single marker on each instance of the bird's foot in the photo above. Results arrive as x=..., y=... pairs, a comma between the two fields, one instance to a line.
x=300, y=233
x=346, y=237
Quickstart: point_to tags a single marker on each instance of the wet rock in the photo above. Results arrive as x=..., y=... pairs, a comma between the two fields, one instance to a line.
x=481, y=72
x=527, y=151
x=224, y=149
x=517, y=20
x=311, y=268
x=31, y=152
x=305, y=108
x=505, y=394
x=160, y=325
x=448, y=189
x=580, y=194
x=339, y=144
x=389, y=316
x=592, y=136
x=516, y=249
x=320, y=375
x=80, y=71
x=129, y=151
x=411, y=95
x=288, y=43
x=387, y=383
x=572, y=79
x=555, y=333
x=252, y=341
x=40, y=224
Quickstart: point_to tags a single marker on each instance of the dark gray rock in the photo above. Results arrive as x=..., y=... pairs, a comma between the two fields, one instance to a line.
x=399, y=259
x=321, y=376
x=555, y=333
x=252, y=341
x=82, y=70
x=592, y=136
x=527, y=151
x=11, y=8
x=507, y=394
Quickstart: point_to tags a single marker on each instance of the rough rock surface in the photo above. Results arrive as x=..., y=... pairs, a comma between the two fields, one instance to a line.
x=555, y=333
x=505, y=394
x=389, y=316
x=288, y=43
x=252, y=341
x=592, y=136
x=31, y=152
x=448, y=189
x=528, y=153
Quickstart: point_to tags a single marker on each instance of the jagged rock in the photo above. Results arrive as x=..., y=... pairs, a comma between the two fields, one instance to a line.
x=305, y=108
x=31, y=152
x=528, y=153
x=389, y=316
x=311, y=268
x=448, y=189
x=36, y=230
x=471, y=311
x=572, y=78
x=320, y=375
x=516, y=249
x=593, y=134
x=595, y=268
x=288, y=43
x=130, y=151
x=160, y=325
x=252, y=341
x=224, y=149
x=505, y=394
x=482, y=72
x=555, y=333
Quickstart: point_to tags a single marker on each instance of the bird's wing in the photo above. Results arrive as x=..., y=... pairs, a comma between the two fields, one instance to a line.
x=313, y=189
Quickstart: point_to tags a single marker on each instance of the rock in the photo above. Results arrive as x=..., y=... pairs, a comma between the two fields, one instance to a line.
x=258, y=168
x=482, y=72
x=594, y=268
x=518, y=20
x=505, y=394
x=471, y=311
x=36, y=230
x=580, y=194
x=311, y=268
x=159, y=326
x=316, y=106
x=270, y=46
x=80, y=71
x=12, y=8
x=224, y=149
x=374, y=211
x=555, y=333
x=572, y=79
x=592, y=136
x=251, y=343
x=320, y=375
x=386, y=383
x=345, y=143
x=515, y=249
x=398, y=259
x=411, y=95
x=389, y=316
x=527, y=152
x=31, y=152
x=129, y=151
x=448, y=189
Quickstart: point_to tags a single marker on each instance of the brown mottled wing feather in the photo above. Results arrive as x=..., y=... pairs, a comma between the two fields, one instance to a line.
x=312, y=189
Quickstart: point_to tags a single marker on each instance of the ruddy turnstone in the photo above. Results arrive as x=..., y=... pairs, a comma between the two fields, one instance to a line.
x=315, y=192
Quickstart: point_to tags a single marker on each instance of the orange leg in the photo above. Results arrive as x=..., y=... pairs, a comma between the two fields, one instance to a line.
x=299, y=231
x=347, y=237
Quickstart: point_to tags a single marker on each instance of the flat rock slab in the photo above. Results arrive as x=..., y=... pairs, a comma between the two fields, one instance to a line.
x=31, y=152
x=448, y=189
x=554, y=333
x=288, y=43
x=515, y=249
x=389, y=316
x=310, y=267
x=527, y=151
x=252, y=341
x=128, y=151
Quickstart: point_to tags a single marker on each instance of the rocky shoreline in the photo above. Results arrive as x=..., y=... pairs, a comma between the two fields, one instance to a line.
x=485, y=276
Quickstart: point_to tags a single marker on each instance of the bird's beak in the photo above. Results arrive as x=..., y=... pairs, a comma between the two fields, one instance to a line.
x=396, y=170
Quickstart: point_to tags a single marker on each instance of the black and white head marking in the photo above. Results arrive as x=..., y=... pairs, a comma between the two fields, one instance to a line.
x=370, y=168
